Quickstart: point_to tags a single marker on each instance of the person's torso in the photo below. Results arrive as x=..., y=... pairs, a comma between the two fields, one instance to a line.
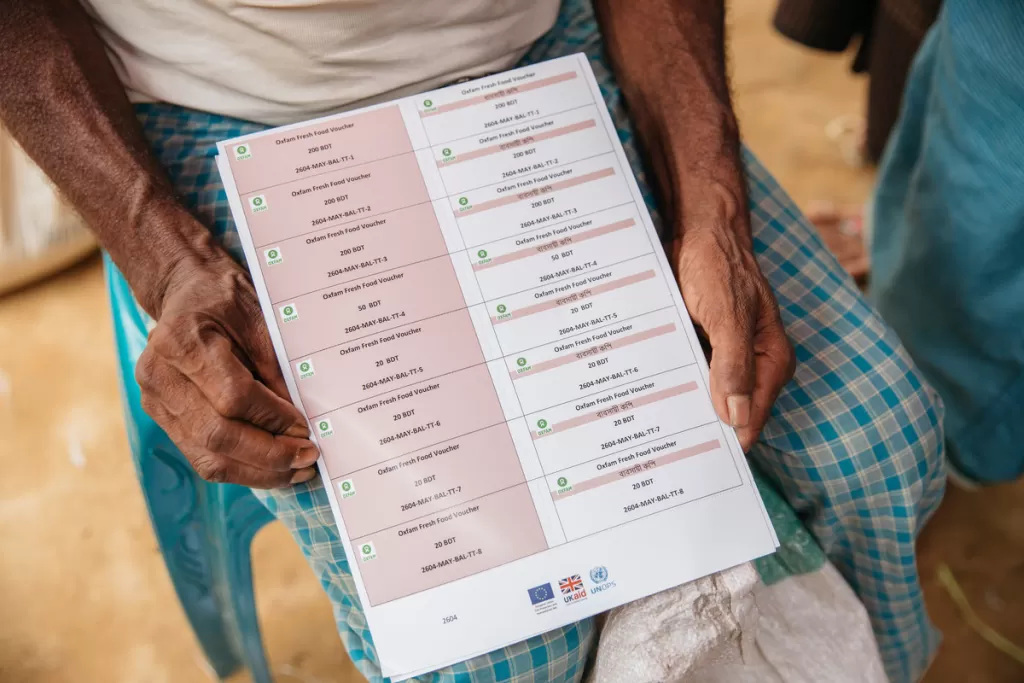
x=278, y=61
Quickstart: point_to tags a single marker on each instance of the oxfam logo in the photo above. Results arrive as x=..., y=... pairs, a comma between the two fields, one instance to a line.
x=428, y=103
x=305, y=366
x=367, y=549
x=563, y=482
x=463, y=201
x=273, y=253
x=242, y=149
x=542, y=423
x=242, y=152
x=446, y=151
x=324, y=426
x=288, y=310
x=347, y=486
x=502, y=308
x=273, y=256
x=521, y=362
x=257, y=201
x=482, y=253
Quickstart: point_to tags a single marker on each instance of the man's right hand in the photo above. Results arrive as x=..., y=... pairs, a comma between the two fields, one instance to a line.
x=210, y=379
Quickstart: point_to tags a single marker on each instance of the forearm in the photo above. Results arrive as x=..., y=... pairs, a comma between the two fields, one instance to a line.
x=61, y=99
x=669, y=59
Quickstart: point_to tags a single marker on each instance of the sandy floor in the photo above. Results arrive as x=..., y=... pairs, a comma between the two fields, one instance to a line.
x=83, y=590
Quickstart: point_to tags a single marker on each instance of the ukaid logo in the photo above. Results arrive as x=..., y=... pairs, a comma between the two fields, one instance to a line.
x=243, y=152
x=273, y=256
x=542, y=598
x=305, y=368
x=346, y=489
x=599, y=577
x=367, y=552
x=258, y=203
x=324, y=428
x=289, y=313
x=572, y=589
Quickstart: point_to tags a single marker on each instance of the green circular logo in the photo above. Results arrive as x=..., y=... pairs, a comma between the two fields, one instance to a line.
x=272, y=253
x=446, y=151
x=521, y=362
x=242, y=149
x=428, y=103
x=346, y=486
x=324, y=426
x=542, y=423
x=563, y=482
x=257, y=201
x=463, y=201
x=482, y=253
x=367, y=549
x=304, y=366
x=288, y=310
x=502, y=308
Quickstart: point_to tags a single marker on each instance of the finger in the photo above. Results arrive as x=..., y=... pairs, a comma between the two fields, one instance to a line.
x=207, y=438
x=731, y=333
x=234, y=472
x=235, y=394
x=255, y=341
x=774, y=361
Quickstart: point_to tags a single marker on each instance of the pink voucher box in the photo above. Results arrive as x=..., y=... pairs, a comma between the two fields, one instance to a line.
x=406, y=355
x=331, y=317
x=281, y=156
x=350, y=251
x=436, y=410
x=450, y=473
x=499, y=528
x=325, y=200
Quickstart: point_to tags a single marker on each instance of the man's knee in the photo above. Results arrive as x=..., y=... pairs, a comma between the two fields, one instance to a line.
x=888, y=447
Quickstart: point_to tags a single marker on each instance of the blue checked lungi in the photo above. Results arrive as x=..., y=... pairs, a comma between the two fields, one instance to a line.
x=854, y=443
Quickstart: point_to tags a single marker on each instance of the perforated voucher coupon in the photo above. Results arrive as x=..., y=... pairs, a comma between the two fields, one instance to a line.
x=470, y=305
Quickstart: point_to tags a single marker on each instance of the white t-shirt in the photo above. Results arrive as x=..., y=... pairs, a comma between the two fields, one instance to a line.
x=279, y=61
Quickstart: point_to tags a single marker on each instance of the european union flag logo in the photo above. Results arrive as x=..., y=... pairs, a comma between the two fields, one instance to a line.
x=541, y=593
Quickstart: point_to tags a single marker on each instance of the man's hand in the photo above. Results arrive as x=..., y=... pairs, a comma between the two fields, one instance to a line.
x=669, y=58
x=210, y=379
x=727, y=296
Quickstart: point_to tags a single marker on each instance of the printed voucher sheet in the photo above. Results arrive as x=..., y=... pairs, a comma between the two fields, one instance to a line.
x=471, y=307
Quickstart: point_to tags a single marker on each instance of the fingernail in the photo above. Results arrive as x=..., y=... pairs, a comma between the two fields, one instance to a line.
x=303, y=475
x=305, y=458
x=739, y=410
x=299, y=431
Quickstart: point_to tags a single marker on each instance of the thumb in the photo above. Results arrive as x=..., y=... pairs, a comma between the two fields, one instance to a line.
x=732, y=366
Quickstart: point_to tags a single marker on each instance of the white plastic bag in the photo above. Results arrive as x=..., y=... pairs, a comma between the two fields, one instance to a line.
x=731, y=628
x=39, y=233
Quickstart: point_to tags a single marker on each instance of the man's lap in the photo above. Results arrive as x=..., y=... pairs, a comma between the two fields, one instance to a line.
x=854, y=441
x=854, y=404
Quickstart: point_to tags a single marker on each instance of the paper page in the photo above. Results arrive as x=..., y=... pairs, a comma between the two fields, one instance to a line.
x=470, y=304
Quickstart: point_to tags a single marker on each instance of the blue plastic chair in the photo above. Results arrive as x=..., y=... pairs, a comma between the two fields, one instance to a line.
x=204, y=530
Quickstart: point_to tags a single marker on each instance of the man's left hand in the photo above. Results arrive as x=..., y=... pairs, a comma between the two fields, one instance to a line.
x=727, y=295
